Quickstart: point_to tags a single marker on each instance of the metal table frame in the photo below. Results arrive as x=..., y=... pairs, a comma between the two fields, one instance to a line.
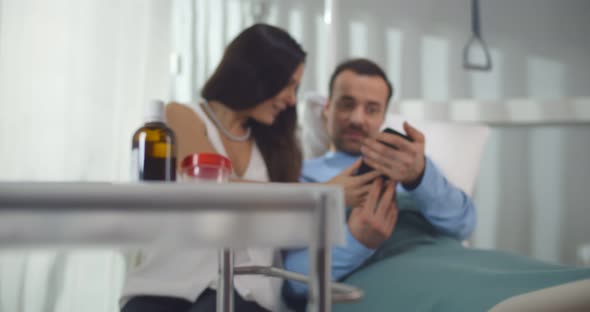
x=25, y=209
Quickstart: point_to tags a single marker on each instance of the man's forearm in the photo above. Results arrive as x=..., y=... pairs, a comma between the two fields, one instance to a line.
x=444, y=205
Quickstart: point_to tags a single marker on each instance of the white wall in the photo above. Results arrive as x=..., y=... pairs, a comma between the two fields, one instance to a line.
x=538, y=46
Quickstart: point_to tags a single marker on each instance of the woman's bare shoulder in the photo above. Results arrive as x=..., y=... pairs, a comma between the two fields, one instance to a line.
x=190, y=130
x=181, y=114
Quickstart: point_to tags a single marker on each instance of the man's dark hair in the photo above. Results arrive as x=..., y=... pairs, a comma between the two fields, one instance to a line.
x=361, y=66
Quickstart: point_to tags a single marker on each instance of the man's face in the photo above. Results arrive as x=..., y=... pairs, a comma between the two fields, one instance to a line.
x=355, y=110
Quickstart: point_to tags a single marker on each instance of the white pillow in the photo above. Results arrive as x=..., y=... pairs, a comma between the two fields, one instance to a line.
x=314, y=137
x=456, y=148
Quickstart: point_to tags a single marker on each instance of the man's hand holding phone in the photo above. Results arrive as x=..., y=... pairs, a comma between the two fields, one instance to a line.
x=400, y=159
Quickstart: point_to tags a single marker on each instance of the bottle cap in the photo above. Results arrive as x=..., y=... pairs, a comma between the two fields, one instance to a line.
x=154, y=112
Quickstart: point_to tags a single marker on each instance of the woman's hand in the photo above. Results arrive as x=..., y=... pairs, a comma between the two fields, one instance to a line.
x=372, y=222
x=355, y=187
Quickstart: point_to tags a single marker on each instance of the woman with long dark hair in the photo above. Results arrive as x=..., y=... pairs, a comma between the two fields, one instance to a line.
x=247, y=114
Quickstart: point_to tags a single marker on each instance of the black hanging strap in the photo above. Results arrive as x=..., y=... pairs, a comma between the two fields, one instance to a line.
x=476, y=40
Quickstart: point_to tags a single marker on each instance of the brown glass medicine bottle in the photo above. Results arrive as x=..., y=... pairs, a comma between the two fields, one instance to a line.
x=153, y=151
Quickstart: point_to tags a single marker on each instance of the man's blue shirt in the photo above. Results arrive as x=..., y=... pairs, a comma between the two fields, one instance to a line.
x=445, y=206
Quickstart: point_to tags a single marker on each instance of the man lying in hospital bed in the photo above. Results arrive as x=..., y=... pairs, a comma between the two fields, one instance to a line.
x=421, y=269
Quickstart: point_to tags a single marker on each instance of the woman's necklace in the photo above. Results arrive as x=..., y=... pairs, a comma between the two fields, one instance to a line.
x=226, y=132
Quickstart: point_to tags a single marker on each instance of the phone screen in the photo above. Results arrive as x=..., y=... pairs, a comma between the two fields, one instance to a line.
x=364, y=168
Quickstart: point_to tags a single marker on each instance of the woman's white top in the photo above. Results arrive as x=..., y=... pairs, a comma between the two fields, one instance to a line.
x=169, y=270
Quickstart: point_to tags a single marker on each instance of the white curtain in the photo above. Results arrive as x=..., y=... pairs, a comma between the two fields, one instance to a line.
x=203, y=28
x=74, y=75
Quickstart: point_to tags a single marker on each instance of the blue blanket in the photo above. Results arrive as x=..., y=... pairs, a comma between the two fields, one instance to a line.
x=418, y=269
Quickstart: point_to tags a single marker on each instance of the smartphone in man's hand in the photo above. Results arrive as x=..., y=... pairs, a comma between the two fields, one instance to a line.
x=364, y=168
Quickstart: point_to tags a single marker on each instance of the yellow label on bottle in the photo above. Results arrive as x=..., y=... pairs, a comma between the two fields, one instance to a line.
x=161, y=150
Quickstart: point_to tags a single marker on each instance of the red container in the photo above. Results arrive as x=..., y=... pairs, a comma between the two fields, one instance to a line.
x=206, y=167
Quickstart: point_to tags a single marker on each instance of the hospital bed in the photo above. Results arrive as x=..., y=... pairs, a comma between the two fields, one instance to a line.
x=418, y=269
